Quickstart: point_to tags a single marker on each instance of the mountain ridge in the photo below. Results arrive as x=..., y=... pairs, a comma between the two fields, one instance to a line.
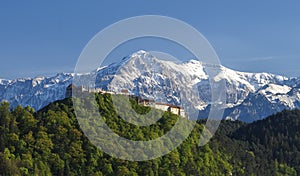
x=166, y=81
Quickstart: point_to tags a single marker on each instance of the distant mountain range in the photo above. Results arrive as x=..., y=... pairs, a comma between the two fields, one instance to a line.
x=249, y=96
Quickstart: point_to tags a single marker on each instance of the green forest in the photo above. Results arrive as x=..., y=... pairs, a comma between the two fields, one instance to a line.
x=50, y=142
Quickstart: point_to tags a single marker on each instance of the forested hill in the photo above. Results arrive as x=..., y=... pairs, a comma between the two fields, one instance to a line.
x=50, y=142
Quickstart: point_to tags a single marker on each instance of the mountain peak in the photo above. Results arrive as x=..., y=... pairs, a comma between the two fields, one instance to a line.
x=139, y=53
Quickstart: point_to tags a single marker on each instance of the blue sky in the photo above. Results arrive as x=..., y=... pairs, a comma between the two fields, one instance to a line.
x=43, y=38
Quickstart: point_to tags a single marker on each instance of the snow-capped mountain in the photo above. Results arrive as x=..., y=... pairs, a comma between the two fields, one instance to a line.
x=36, y=92
x=249, y=96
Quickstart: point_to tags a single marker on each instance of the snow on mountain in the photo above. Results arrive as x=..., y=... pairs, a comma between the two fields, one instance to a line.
x=249, y=96
x=35, y=92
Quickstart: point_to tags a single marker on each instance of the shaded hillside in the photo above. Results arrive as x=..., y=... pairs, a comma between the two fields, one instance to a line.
x=274, y=138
